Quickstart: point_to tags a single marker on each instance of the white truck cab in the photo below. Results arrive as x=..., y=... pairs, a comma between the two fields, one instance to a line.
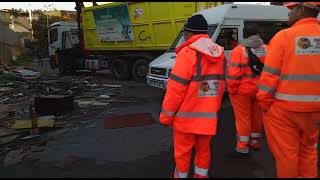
x=225, y=27
x=62, y=35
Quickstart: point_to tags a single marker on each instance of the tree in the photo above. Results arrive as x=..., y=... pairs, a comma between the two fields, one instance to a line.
x=40, y=29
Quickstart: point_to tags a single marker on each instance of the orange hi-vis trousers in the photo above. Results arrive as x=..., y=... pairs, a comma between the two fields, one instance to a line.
x=183, y=145
x=248, y=120
x=292, y=138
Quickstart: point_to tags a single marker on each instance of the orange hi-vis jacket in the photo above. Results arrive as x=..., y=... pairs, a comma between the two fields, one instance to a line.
x=195, y=87
x=291, y=74
x=240, y=79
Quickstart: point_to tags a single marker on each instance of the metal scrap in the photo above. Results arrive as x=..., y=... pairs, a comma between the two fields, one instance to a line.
x=14, y=157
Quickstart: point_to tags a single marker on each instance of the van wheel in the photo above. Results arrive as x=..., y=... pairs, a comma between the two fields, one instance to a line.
x=140, y=70
x=120, y=69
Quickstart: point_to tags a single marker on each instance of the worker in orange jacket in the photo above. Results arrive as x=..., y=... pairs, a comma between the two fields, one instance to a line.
x=193, y=97
x=242, y=87
x=289, y=93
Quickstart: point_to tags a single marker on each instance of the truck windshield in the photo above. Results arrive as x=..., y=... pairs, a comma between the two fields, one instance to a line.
x=53, y=35
x=179, y=40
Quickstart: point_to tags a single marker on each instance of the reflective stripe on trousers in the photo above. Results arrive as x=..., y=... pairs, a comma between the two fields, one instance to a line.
x=190, y=114
x=180, y=174
x=244, y=150
x=253, y=141
x=299, y=98
x=243, y=138
x=200, y=171
x=256, y=135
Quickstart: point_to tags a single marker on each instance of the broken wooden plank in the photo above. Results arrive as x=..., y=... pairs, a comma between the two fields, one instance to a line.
x=27, y=124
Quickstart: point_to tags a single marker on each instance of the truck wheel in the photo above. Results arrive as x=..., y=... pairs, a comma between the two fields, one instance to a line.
x=120, y=69
x=140, y=70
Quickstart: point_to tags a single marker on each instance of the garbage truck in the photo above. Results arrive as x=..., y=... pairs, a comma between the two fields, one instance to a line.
x=121, y=36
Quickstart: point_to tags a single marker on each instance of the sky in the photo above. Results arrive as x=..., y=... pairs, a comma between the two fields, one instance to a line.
x=63, y=5
x=42, y=5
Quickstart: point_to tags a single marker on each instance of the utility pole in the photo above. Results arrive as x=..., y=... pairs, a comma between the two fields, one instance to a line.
x=47, y=12
x=30, y=19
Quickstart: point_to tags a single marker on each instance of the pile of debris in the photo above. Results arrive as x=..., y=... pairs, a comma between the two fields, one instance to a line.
x=33, y=104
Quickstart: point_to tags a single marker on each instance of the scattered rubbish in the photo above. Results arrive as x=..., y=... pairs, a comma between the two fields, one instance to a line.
x=130, y=120
x=30, y=136
x=111, y=85
x=104, y=96
x=93, y=85
x=4, y=89
x=91, y=126
x=120, y=101
x=18, y=95
x=3, y=68
x=14, y=157
x=8, y=139
x=84, y=104
x=58, y=124
x=36, y=148
x=26, y=94
x=25, y=74
x=54, y=104
x=18, y=115
x=27, y=124
x=59, y=117
x=3, y=115
x=4, y=100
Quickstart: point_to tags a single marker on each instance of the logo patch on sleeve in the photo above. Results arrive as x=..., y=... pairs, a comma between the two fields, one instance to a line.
x=308, y=45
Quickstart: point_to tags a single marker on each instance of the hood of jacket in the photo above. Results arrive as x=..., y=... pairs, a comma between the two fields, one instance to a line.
x=254, y=41
x=203, y=44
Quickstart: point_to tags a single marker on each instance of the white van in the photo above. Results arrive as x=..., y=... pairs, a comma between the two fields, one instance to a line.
x=226, y=23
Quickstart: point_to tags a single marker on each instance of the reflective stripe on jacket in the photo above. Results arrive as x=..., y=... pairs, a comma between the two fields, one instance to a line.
x=195, y=87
